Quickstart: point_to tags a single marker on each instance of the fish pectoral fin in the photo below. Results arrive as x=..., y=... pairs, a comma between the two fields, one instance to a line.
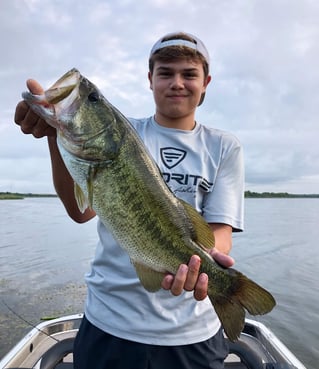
x=81, y=199
x=203, y=234
x=150, y=279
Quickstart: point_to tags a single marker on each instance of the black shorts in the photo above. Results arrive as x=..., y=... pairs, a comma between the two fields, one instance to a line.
x=95, y=349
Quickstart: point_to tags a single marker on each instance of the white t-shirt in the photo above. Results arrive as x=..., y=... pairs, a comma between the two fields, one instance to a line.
x=205, y=168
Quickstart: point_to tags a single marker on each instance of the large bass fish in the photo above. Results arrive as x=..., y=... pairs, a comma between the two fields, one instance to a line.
x=116, y=176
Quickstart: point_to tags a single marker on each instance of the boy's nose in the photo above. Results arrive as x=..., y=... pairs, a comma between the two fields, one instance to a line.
x=177, y=81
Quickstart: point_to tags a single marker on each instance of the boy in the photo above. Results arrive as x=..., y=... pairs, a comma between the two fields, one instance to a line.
x=125, y=326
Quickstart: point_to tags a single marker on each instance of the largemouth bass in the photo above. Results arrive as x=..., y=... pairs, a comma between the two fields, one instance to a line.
x=116, y=176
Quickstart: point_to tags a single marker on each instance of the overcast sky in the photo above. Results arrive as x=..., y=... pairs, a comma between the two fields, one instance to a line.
x=264, y=65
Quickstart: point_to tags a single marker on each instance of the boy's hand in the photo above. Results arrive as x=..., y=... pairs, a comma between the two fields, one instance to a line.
x=28, y=120
x=188, y=277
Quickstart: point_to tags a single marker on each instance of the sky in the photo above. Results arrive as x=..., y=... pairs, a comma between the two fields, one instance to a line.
x=264, y=67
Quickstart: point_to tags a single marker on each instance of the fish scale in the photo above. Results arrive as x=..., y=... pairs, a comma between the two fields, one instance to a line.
x=149, y=220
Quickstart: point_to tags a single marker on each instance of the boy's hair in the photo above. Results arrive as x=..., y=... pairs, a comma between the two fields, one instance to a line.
x=180, y=46
x=171, y=47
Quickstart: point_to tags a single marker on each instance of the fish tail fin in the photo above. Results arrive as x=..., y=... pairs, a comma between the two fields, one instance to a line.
x=243, y=294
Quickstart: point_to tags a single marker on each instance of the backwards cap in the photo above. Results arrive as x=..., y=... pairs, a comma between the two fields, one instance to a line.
x=197, y=44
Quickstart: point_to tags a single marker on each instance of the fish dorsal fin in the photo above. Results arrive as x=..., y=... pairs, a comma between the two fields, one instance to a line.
x=150, y=279
x=202, y=233
x=80, y=198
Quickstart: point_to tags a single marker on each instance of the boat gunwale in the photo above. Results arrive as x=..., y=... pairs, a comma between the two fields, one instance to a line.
x=32, y=347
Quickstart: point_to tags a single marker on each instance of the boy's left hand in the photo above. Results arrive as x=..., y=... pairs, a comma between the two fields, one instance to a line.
x=188, y=277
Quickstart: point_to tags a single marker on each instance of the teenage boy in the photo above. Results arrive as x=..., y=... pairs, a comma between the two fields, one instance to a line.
x=126, y=327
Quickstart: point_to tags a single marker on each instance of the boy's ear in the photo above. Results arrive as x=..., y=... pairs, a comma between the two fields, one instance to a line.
x=206, y=83
x=208, y=79
x=150, y=79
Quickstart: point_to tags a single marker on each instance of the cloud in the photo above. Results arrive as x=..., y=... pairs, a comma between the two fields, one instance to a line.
x=264, y=63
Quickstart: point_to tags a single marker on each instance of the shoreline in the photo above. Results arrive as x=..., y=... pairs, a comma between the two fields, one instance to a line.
x=21, y=196
x=248, y=195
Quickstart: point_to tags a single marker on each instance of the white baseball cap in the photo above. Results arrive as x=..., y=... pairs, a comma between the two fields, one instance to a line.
x=197, y=44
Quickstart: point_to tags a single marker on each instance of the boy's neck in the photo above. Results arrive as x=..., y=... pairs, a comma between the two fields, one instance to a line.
x=184, y=123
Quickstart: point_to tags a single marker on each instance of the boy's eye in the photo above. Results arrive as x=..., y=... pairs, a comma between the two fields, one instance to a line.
x=190, y=75
x=164, y=74
x=187, y=75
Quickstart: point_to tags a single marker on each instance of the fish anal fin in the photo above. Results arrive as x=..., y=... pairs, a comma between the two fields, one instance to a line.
x=150, y=279
x=203, y=234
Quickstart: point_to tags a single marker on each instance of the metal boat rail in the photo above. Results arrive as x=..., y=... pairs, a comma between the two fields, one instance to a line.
x=49, y=345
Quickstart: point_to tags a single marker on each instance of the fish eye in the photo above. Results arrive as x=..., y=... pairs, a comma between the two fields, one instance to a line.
x=93, y=96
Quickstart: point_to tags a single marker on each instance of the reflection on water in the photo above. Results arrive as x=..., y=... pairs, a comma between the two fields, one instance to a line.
x=44, y=255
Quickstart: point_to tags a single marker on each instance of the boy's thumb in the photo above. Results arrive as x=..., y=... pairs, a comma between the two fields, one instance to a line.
x=34, y=87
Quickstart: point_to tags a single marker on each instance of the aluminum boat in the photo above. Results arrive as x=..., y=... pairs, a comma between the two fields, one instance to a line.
x=49, y=345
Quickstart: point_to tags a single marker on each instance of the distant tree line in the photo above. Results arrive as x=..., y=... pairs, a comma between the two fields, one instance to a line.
x=248, y=194
x=252, y=194
x=20, y=196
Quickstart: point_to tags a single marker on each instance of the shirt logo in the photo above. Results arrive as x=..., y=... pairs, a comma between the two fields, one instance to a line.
x=171, y=156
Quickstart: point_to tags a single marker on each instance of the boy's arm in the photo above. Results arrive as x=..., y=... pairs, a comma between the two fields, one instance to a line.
x=64, y=185
x=31, y=123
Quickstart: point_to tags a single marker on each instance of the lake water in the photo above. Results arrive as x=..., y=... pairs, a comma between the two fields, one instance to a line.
x=44, y=255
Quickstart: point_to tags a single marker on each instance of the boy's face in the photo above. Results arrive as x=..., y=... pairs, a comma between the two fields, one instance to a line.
x=177, y=87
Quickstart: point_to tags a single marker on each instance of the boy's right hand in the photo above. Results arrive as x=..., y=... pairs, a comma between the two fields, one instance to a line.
x=28, y=120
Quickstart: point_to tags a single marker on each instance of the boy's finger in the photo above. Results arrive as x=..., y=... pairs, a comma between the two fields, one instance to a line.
x=34, y=87
x=21, y=111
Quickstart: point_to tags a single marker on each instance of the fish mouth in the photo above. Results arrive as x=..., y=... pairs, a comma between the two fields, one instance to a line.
x=65, y=99
x=58, y=106
x=65, y=96
x=62, y=97
x=63, y=87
